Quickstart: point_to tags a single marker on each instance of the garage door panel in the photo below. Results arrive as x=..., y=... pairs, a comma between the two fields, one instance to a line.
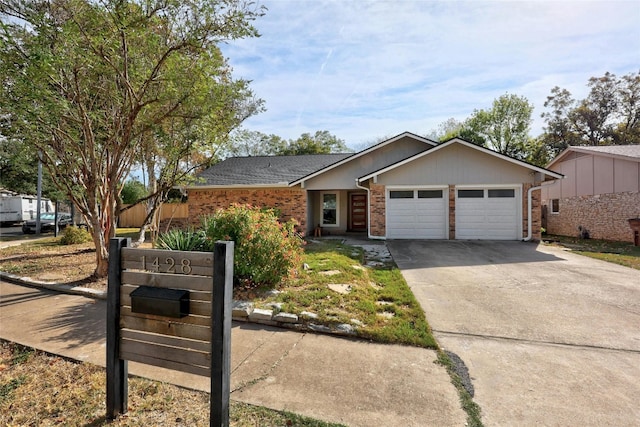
x=416, y=218
x=488, y=218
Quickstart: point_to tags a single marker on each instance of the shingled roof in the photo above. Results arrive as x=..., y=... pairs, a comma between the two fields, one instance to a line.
x=266, y=170
x=616, y=150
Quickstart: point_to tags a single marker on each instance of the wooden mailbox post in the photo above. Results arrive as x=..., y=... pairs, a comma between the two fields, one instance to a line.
x=170, y=309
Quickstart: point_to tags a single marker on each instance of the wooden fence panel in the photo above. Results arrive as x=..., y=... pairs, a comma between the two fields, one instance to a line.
x=134, y=217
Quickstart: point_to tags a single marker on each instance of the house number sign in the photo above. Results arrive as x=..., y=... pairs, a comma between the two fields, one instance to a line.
x=166, y=265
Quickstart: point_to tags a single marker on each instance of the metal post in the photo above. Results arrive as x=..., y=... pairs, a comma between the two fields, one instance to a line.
x=117, y=369
x=221, y=333
x=39, y=194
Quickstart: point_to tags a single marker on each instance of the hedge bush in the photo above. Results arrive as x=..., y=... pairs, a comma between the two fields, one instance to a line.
x=75, y=235
x=266, y=250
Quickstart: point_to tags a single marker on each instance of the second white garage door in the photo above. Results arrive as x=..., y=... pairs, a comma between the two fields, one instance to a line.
x=488, y=213
x=417, y=214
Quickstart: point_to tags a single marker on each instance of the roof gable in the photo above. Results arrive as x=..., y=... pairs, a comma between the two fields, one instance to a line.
x=625, y=152
x=467, y=144
x=366, y=151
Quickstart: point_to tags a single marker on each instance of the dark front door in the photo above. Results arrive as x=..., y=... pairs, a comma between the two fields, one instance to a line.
x=358, y=212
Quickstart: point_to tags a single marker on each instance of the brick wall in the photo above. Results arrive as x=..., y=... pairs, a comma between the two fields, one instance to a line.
x=536, y=212
x=291, y=202
x=452, y=212
x=378, y=226
x=604, y=216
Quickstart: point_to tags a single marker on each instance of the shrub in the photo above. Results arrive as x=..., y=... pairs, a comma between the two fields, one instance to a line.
x=75, y=235
x=266, y=250
x=182, y=240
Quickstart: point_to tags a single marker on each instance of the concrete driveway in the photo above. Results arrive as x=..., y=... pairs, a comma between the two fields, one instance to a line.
x=549, y=337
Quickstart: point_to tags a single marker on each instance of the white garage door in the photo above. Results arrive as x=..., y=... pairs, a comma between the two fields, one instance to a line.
x=487, y=214
x=416, y=214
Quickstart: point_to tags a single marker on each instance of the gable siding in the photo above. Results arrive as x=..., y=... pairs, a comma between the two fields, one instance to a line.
x=625, y=176
x=603, y=175
x=457, y=165
x=343, y=177
x=588, y=175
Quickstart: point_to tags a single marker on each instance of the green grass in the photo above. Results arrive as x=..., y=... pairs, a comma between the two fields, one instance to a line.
x=622, y=253
x=466, y=401
x=379, y=301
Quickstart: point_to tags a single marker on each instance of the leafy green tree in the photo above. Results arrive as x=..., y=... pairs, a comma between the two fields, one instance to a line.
x=18, y=167
x=450, y=128
x=100, y=86
x=322, y=142
x=19, y=170
x=503, y=128
x=627, y=128
x=253, y=143
x=133, y=191
x=610, y=114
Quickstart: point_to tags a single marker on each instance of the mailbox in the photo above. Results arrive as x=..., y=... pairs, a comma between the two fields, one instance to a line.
x=160, y=301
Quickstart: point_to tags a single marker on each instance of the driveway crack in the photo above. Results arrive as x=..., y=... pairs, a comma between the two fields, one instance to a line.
x=530, y=341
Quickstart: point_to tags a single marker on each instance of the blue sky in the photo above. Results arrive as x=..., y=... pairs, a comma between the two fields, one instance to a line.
x=364, y=70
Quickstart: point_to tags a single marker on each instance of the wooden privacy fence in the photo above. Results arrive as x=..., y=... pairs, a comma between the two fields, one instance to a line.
x=134, y=217
x=170, y=309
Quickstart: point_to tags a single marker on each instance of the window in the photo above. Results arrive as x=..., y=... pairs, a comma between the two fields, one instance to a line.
x=429, y=194
x=555, y=205
x=470, y=194
x=408, y=194
x=506, y=192
x=329, y=209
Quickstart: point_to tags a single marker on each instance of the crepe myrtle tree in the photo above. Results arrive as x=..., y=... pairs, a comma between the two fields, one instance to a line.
x=100, y=86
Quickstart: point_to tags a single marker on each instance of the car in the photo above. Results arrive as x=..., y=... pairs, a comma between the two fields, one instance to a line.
x=47, y=221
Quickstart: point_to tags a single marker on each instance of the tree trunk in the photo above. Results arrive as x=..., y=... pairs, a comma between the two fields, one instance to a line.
x=102, y=265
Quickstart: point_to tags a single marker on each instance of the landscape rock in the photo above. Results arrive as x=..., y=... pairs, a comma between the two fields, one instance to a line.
x=286, y=318
x=260, y=314
x=241, y=309
x=340, y=288
x=345, y=329
x=308, y=315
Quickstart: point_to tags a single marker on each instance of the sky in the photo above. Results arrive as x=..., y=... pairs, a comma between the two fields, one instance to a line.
x=366, y=70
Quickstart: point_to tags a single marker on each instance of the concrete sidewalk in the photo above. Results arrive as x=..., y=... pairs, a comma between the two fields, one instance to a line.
x=333, y=379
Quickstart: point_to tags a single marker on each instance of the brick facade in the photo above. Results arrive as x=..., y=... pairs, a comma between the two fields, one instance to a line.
x=291, y=202
x=452, y=212
x=536, y=212
x=378, y=226
x=605, y=216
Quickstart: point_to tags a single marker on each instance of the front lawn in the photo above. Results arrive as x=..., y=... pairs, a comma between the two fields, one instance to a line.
x=337, y=287
x=340, y=289
x=617, y=252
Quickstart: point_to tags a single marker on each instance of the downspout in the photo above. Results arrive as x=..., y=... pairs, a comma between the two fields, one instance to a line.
x=368, y=212
x=529, y=208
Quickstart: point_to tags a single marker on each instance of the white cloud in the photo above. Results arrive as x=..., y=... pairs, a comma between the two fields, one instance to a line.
x=366, y=69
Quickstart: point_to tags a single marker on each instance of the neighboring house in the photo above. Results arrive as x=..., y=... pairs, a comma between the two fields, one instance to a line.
x=600, y=192
x=407, y=187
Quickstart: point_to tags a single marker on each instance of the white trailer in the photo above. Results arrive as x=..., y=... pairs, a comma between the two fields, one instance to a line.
x=22, y=208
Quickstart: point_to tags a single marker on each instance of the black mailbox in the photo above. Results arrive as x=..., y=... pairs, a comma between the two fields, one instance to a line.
x=160, y=301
